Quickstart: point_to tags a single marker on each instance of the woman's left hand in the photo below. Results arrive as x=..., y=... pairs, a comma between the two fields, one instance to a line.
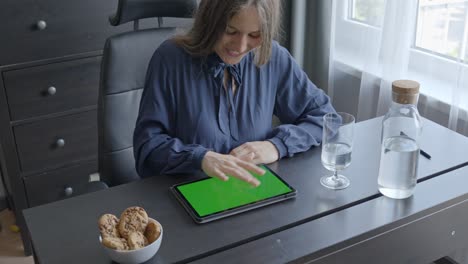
x=257, y=152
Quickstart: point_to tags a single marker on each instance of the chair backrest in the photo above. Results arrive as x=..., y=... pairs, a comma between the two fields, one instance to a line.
x=123, y=70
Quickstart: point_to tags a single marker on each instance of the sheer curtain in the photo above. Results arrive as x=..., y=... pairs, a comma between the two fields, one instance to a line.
x=359, y=62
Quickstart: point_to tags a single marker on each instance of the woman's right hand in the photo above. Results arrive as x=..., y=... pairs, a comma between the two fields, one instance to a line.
x=220, y=165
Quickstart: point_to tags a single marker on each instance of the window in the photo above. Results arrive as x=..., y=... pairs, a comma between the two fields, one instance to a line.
x=369, y=12
x=442, y=28
x=439, y=42
x=442, y=25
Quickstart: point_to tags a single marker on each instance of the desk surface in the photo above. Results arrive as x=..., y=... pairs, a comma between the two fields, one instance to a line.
x=66, y=231
x=381, y=230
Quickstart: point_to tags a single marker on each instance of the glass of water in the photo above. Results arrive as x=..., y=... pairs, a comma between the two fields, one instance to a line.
x=337, y=145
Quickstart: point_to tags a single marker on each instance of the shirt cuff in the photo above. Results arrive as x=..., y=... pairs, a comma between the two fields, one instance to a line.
x=198, y=155
x=280, y=146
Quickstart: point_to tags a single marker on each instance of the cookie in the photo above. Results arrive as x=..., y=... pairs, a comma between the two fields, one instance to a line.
x=152, y=231
x=108, y=226
x=133, y=219
x=136, y=240
x=115, y=243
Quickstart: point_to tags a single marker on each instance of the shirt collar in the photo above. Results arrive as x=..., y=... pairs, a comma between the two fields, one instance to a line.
x=216, y=67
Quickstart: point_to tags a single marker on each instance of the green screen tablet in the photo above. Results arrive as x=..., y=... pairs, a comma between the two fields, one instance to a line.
x=210, y=198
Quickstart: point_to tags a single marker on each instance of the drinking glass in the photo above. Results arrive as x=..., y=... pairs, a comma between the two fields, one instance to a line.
x=337, y=145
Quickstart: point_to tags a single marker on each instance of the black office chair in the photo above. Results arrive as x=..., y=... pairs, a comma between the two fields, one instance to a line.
x=123, y=69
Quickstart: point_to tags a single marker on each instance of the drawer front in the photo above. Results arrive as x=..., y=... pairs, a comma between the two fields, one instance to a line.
x=57, y=184
x=52, y=88
x=68, y=27
x=56, y=142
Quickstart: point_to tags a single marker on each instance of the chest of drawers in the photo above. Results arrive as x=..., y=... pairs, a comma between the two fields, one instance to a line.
x=50, y=59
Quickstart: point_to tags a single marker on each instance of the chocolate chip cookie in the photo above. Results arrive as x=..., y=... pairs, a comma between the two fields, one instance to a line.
x=116, y=243
x=108, y=226
x=136, y=240
x=133, y=219
x=153, y=230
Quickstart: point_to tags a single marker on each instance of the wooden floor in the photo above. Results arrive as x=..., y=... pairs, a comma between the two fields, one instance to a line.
x=11, y=247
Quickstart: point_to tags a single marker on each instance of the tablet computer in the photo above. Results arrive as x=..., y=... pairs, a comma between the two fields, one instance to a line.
x=210, y=199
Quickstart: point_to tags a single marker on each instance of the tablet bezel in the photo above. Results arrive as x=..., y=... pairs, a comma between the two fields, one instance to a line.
x=232, y=211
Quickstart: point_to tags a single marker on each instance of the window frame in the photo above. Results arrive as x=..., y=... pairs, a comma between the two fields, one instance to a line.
x=463, y=54
x=350, y=9
x=438, y=80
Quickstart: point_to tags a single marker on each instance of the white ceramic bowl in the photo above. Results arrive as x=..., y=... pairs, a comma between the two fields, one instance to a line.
x=134, y=256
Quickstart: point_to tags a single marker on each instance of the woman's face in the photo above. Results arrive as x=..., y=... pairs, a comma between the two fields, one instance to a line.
x=242, y=34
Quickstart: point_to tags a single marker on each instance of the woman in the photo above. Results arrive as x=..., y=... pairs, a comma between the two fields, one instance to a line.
x=210, y=95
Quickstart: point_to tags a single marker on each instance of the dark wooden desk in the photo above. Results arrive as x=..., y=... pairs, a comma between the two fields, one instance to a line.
x=425, y=227
x=66, y=231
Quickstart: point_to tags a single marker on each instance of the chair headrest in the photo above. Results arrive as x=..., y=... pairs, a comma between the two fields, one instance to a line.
x=130, y=10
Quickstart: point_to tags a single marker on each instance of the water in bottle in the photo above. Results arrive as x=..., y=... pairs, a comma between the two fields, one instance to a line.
x=401, y=129
x=398, y=167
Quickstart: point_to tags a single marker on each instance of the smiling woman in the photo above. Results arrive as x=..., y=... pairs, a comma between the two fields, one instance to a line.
x=215, y=19
x=210, y=96
x=241, y=36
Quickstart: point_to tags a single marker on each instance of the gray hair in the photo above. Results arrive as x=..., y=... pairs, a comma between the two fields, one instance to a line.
x=212, y=17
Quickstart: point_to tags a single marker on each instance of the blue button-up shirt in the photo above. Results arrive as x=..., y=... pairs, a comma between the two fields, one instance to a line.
x=185, y=110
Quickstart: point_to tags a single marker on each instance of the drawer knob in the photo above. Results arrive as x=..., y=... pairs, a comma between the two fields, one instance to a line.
x=68, y=191
x=60, y=142
x=41, y=25
x=51, y=90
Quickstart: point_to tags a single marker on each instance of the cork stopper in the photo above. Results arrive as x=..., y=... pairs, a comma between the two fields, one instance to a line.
x=405, y=91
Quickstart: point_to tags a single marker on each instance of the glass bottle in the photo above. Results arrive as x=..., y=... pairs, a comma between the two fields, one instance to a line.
x=401, y=131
